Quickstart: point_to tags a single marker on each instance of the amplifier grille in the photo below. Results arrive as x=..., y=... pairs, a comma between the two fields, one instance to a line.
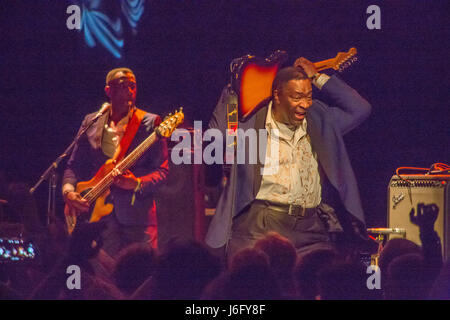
x=405, y=195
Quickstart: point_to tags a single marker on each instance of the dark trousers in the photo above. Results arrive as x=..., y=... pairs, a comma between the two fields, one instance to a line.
x=117, y=236
x=305, y=232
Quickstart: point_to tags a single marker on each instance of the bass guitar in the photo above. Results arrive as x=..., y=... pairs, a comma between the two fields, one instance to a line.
x=96, y=190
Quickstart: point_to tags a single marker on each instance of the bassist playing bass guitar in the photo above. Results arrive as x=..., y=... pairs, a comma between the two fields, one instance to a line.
x=128, y=205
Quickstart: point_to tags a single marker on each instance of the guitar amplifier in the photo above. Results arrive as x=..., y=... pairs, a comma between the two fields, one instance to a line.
x=405, y=195
x=180, y=201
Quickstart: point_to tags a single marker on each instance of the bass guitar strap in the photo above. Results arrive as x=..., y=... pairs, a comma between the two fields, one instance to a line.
x=130, y=132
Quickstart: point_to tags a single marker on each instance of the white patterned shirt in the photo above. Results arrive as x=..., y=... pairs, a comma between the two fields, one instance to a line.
x=296, y=180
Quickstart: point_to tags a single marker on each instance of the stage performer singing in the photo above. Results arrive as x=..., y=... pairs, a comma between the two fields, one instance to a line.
x=314, y=169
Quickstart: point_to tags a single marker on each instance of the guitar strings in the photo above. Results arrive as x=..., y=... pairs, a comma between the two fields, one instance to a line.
x=108, y=179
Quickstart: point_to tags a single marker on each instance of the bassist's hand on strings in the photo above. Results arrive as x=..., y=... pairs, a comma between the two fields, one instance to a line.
x=126, y=180
x=75, y=202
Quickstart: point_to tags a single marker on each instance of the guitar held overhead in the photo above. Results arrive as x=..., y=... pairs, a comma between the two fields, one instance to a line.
x=252, y=77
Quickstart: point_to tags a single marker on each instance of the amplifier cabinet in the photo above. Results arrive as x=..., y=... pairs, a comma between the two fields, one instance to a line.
x=405, y=195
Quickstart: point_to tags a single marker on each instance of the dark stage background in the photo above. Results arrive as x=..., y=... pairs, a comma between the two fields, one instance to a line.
x=50, y=78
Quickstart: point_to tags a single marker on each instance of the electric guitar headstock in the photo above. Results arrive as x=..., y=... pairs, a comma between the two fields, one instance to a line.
x=342, y=61
x=170, y=123
x=252, y=77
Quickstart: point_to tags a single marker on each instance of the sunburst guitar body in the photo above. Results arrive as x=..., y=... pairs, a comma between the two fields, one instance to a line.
x=252, y=77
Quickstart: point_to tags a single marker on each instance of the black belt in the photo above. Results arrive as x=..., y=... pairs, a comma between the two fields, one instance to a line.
x=290, y=209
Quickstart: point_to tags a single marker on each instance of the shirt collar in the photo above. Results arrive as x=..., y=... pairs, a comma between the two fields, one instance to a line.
x=124, y=121
x=284, y=132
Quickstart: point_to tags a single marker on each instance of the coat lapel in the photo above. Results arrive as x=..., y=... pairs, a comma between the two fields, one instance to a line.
x=328, y=143
x=260, y=123
x=98, y=130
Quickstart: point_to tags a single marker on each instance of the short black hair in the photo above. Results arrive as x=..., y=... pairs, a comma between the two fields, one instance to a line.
x=286, y=74
x=113, y=72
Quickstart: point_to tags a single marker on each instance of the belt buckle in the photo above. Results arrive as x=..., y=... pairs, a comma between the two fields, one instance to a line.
x=292, y=211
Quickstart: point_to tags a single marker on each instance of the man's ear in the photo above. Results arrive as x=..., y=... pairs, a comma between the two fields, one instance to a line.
x=108, y=91
x=276, y=98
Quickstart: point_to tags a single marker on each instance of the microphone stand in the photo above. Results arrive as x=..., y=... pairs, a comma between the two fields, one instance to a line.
x=51, y=176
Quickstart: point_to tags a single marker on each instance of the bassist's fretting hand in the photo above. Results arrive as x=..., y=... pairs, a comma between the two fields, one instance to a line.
x=126, y=181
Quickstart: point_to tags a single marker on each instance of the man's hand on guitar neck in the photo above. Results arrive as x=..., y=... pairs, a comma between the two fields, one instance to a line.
x=126, y=181
x=307, y=65
x=317, y=79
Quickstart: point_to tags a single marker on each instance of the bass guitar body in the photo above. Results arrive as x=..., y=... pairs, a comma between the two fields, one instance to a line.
x=101, y=207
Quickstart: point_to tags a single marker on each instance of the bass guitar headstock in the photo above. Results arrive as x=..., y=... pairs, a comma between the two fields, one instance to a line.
x=170, y=123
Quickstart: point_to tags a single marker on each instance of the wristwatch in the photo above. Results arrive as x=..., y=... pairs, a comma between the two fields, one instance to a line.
x=315, y=76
